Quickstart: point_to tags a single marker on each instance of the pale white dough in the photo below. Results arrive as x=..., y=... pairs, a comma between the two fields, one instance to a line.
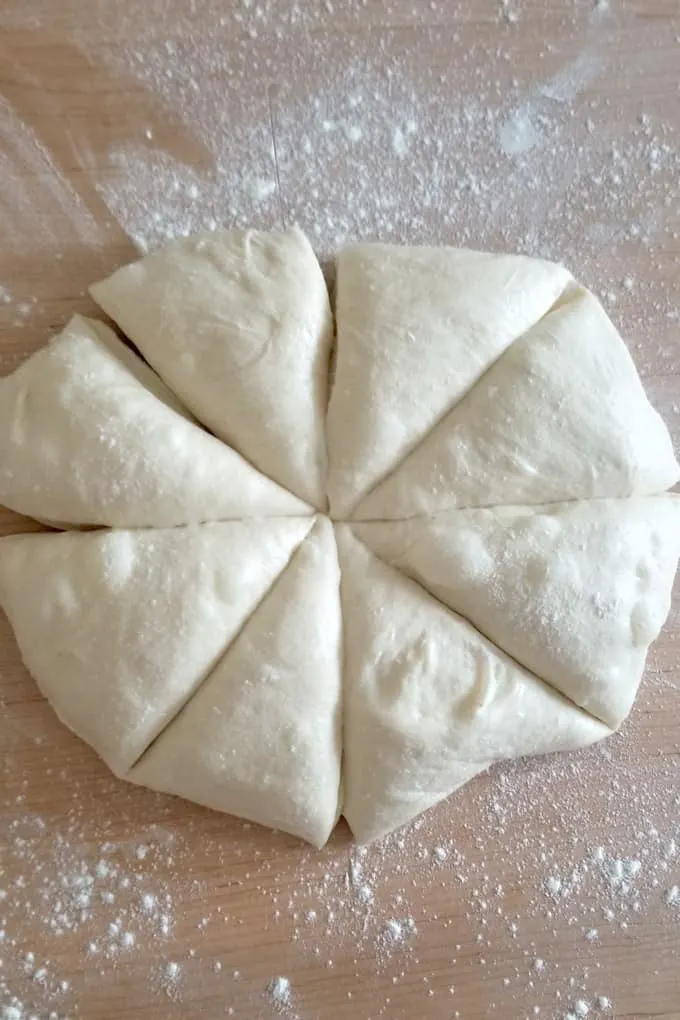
x=561, y=415
x=262, y=737
x=89, y=435
x=239, y=324
x=575, y=592
x=120, y=628
x=417, y=328
x=429, y=702
x=499, y=557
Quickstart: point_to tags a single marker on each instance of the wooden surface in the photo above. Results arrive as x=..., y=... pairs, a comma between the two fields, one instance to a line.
x=549, y=126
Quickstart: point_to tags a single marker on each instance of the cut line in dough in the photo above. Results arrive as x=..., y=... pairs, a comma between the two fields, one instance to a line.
x=430, y=700
x=89, y=437
x=120, y=628
x=561, y=415
x=234, y=662
x=417, y=328
x=261, y=737
x=239, y=324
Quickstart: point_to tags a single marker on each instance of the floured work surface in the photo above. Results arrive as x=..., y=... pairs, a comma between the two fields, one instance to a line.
x=549, y=885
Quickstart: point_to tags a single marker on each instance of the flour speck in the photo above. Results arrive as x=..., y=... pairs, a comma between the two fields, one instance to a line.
x=279, y=992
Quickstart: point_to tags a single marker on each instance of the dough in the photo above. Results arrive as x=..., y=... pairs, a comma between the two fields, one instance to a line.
x=120, y=628
x=90, y=436
x=561, y=415
x=429, y=701
x=417, y=328
x=262, y=737
x=239, y=324
x=575, y=592
x=498, y=555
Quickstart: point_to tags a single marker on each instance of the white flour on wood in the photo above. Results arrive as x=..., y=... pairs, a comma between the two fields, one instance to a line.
x=388, y=138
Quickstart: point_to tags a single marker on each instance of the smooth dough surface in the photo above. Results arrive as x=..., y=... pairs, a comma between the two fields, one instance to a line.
x=561, y=415
x=89, y=435
x=429, y=701
x=239, y=324
x=493, y=555
x=119, y=628
x=417, y=327
x=575, y=592
x=262, y=737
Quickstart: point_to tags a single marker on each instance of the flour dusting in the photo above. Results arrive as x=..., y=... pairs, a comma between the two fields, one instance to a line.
x=284, y=113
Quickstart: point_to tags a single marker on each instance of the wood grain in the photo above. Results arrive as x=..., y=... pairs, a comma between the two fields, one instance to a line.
x=255, y=903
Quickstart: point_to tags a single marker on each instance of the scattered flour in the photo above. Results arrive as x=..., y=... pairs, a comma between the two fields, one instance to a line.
x=397, y=142
x=279, y=992
x=172, y=970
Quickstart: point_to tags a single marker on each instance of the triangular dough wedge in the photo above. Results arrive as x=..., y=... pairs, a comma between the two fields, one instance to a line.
x=417, y=327
x=575, y=592
x=562, y=415
x=119, y=628
x=261, y=739
x=89, y=435
x=239, y=324
x=429, y=702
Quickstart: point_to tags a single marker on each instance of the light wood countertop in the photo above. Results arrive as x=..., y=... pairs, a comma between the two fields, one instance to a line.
x=546, y=126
